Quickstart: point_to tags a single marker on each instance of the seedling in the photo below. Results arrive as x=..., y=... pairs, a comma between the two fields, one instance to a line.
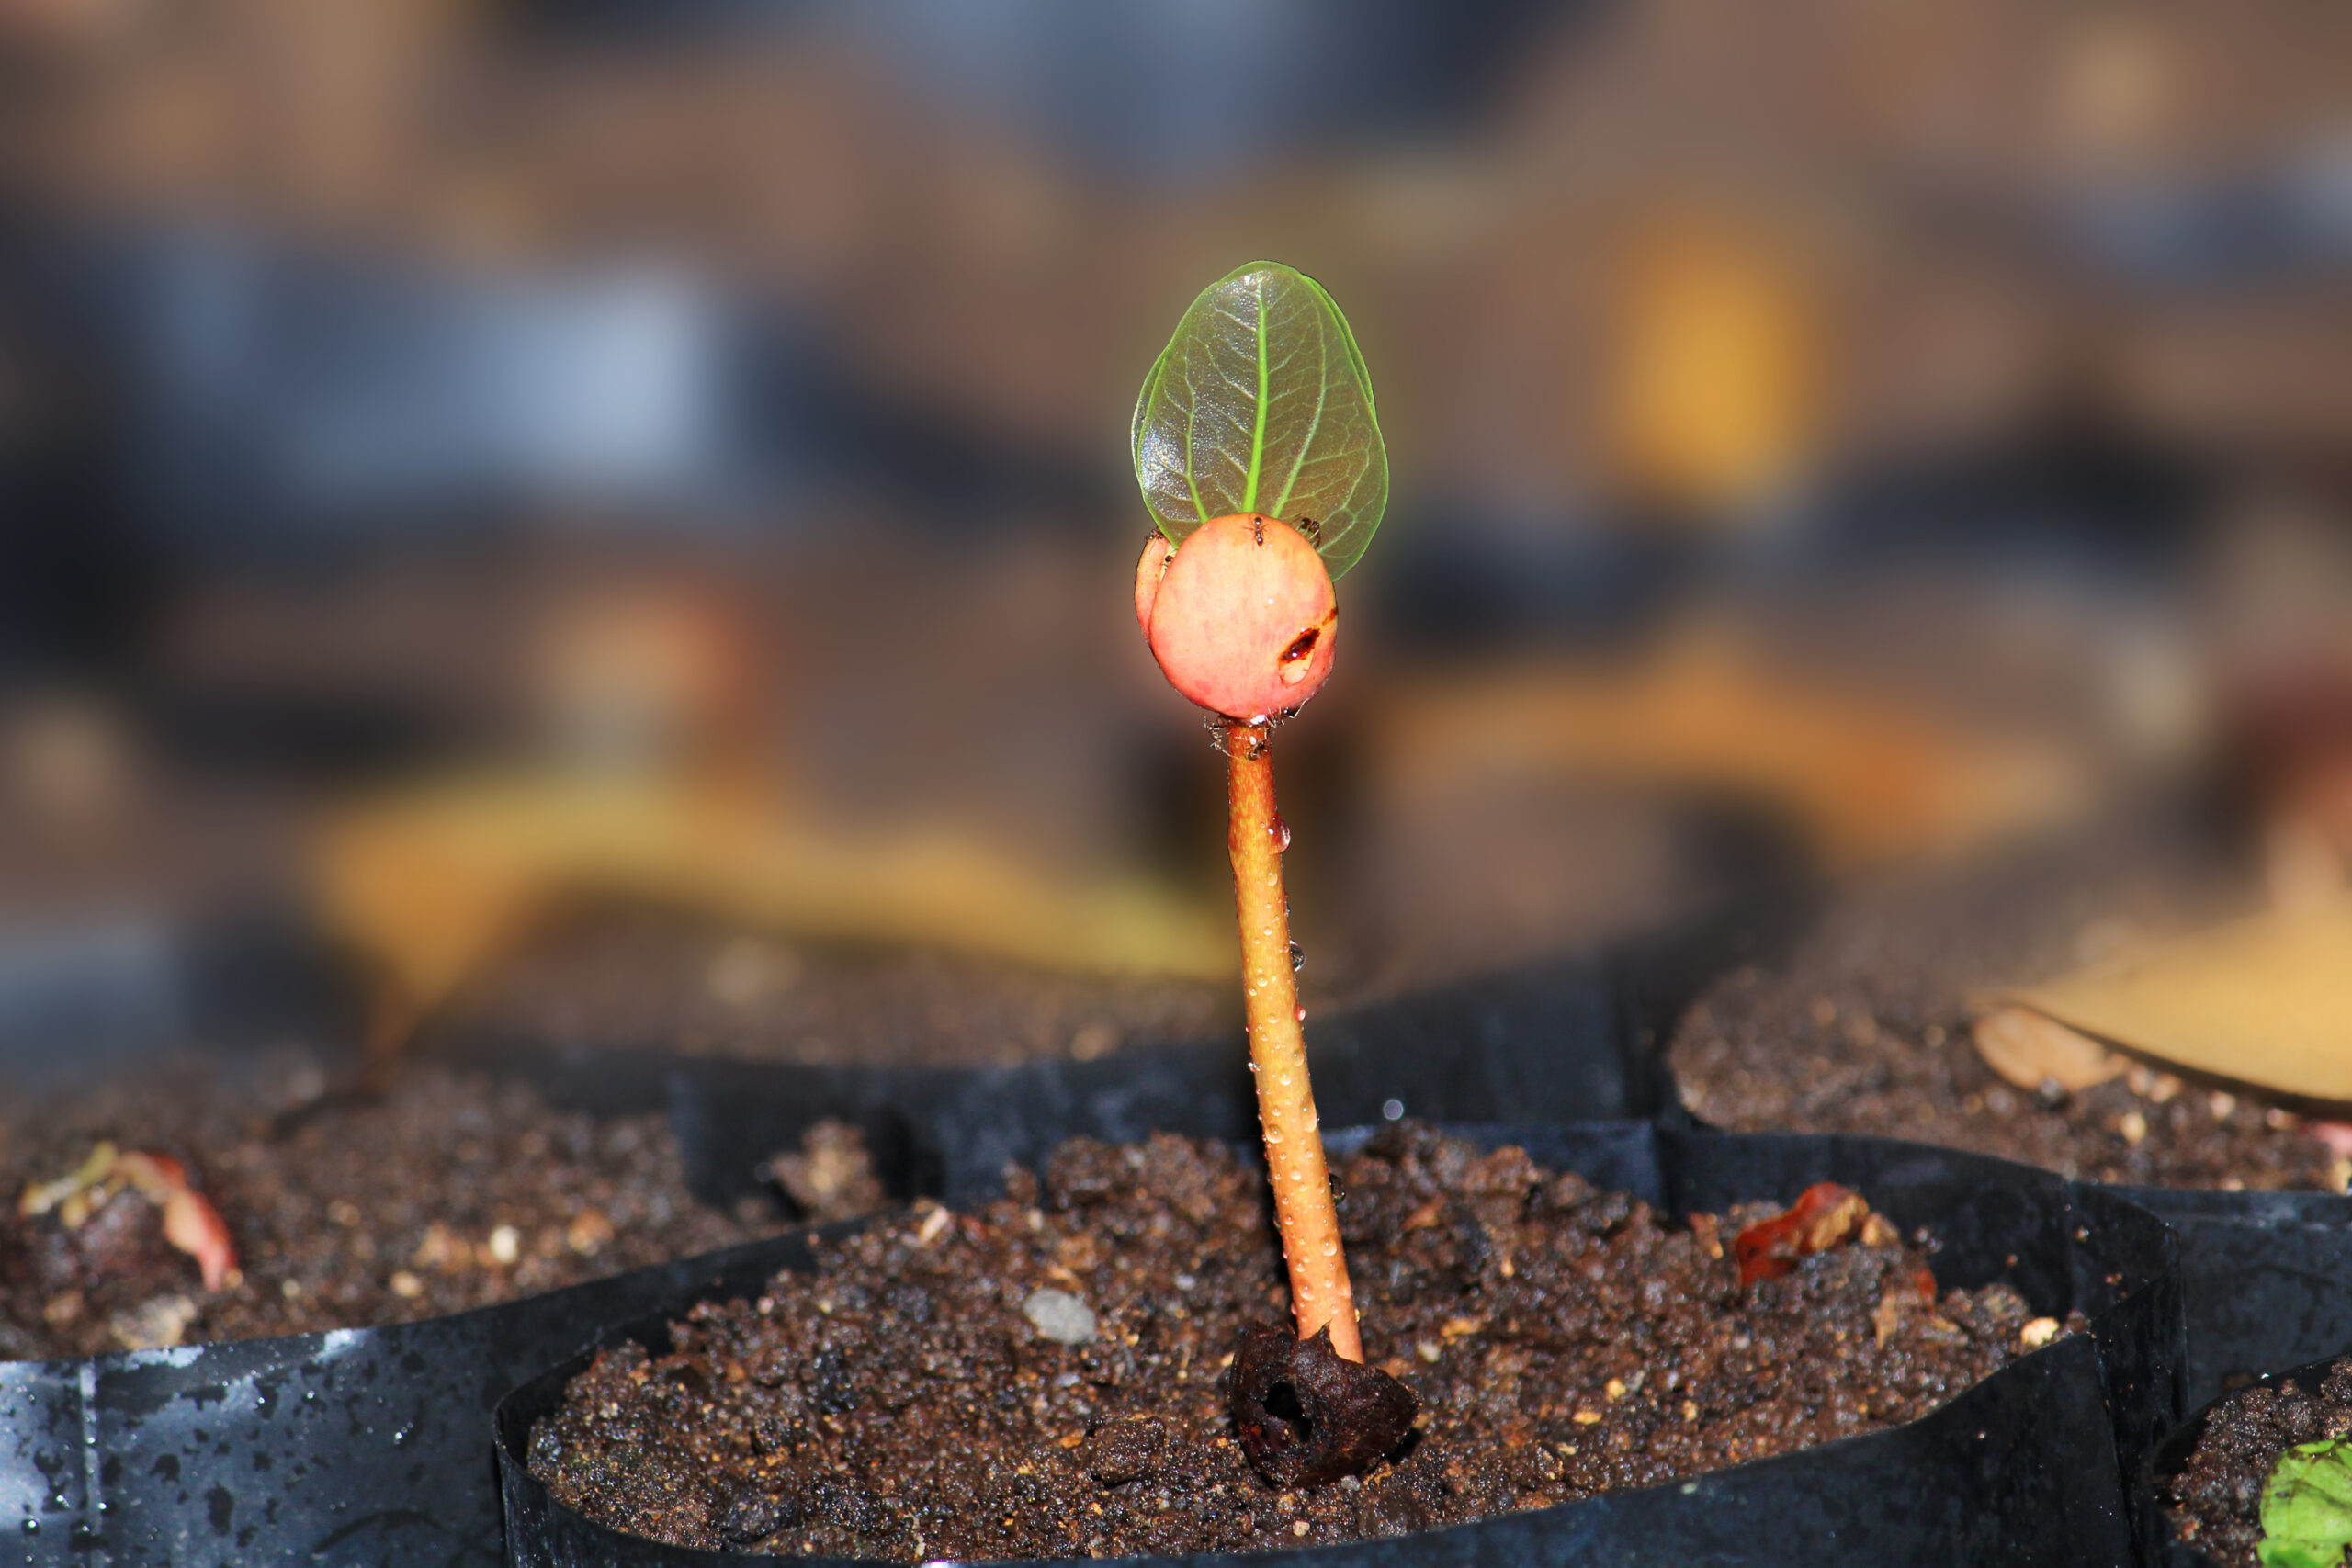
x=2307, y=1506
x=1258, y=448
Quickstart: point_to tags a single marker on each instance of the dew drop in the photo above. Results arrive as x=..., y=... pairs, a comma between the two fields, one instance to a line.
x=1279, y=832
x=1299, y=1014
x=1330, y=1248
x=1298, y=956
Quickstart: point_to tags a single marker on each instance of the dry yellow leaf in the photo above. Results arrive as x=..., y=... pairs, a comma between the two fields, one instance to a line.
x=1871, y=778
x=433, y=887
x=2264, y=1001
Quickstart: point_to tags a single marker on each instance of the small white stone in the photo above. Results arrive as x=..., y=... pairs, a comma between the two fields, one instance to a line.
x=158, y=1325
x=1061, y=1316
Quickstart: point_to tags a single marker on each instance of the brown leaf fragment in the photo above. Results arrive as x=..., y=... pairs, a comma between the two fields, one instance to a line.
x=2030, y=1049
x=2260, y=1001
x=1824, y=1215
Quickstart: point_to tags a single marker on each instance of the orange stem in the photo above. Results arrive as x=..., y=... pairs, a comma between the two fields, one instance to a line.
x=1309, y=1223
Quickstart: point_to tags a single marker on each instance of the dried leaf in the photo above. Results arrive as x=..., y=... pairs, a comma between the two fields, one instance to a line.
x=2264, y=1001
x=2030, y=1049
x=1824, y=1215
x=190, y=1222
x=1871, y=777
x=41, y=1197
x=435, y=886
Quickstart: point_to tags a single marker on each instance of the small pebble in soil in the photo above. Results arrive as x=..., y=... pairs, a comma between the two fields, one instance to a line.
x=1561, y=1340
x=1060, y=1316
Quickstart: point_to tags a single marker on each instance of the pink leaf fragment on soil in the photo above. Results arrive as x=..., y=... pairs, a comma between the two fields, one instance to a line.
x=190, y=1222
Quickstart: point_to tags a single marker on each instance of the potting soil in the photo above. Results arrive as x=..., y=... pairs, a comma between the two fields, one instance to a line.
x=1045, y=1376
x=2216, y=1503
x=448, y=1192
x=1865, y=1027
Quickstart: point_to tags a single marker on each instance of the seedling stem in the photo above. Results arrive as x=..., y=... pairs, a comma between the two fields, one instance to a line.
x=1303, y=1212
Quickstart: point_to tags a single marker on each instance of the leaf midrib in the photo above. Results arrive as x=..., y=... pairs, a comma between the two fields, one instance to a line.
x=1258, y=435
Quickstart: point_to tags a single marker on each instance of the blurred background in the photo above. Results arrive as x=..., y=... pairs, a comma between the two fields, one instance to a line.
x=609, y=520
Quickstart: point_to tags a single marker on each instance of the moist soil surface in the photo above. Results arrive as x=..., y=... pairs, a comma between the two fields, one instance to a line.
x=450, y=1191
x=1864, y=1027
x=647, y=982
x=2216, y=1499
x=931, y=1391
x=1506, y=877
x=458, y=1189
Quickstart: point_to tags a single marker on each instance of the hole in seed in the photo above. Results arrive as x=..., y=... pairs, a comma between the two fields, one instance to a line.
x=1282, y=1403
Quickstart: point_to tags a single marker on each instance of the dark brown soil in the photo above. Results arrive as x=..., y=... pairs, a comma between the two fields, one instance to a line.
x=1866, y=1027
x=451, y=1193
x=1505, y=877
x=2216, y=1503
x=650, y=982
x=903, y=1402
x=458, y=1190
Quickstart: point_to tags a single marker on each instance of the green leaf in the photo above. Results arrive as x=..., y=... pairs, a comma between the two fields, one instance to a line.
x=1261, y=402
x=2307, y=1506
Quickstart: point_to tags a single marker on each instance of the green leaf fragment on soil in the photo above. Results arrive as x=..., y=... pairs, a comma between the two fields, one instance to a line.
x=1261, y=402
x=2307, y=1506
